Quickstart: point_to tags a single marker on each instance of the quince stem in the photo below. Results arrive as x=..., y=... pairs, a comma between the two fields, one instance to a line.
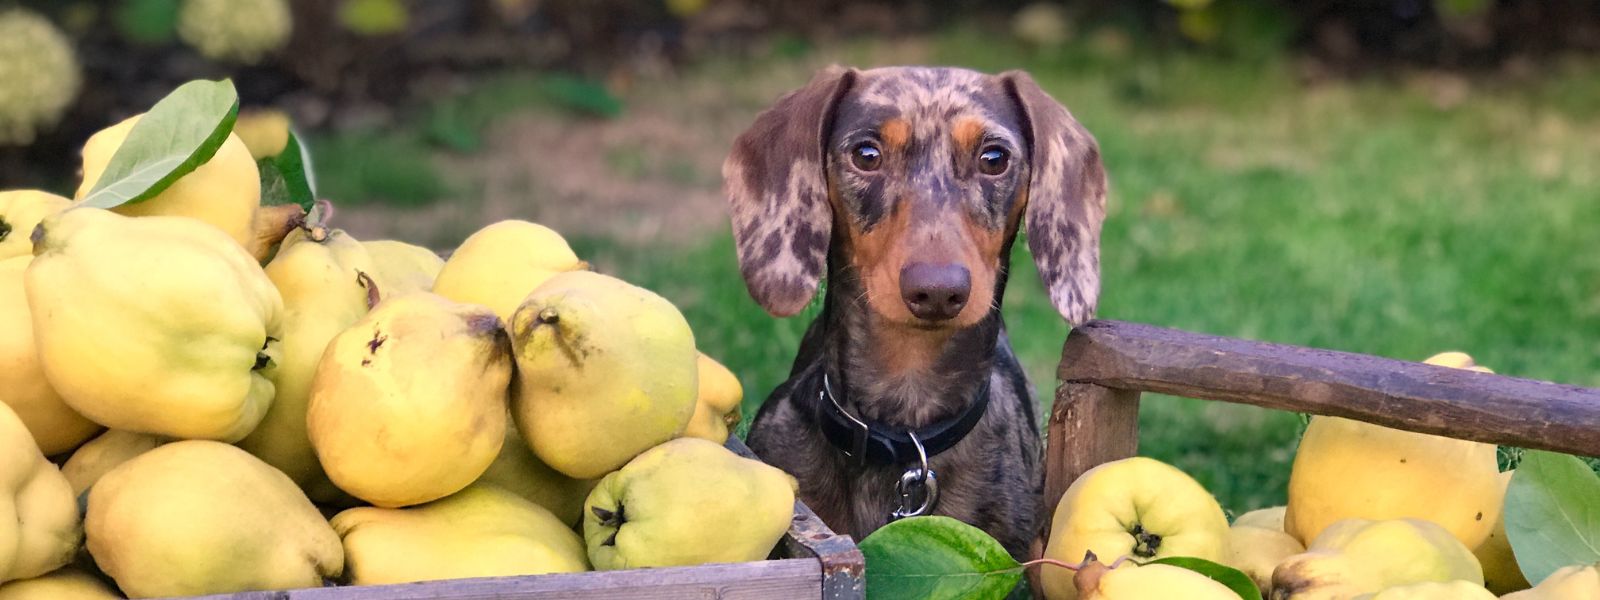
x=365, y=281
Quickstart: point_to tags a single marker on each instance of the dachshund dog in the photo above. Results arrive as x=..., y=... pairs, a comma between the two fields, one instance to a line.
x=909, y=184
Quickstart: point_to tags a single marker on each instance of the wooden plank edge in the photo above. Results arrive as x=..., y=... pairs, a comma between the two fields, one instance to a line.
x=591, y=584
x=1394, y=393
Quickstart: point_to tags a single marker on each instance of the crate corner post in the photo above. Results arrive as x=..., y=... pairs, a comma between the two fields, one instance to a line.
x=1089, y=425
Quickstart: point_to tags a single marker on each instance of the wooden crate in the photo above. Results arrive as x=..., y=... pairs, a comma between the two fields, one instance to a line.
x=810, y=562
x=1105, y=365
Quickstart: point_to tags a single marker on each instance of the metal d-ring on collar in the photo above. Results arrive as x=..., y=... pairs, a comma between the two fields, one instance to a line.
x=918, y=482
x=918, y=487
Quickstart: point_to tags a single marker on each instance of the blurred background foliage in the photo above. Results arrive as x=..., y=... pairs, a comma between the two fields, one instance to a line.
x=1393, y=177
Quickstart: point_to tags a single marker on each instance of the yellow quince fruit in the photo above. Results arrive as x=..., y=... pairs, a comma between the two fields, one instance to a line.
x=1265, y=518
x=272, y=225
x=480, y=531
x=1257, y=551
x=500, y=264
x=105, y=452
x=687, y=502
x=66, y=583
x=606, y=370
x=409, y=404
x=1130, y=581
x=520, y=472
x=155, y=325
x=1432, y=590
x=264, y=131
x=1137, y=507
x=198, y=517
x=401, y=268
x=1501, y=574
x=54, y=425
x=716, y=409
x=319, y=274
x=1360, y=556
x=1347, y=469
x=20, y=212
x=1576, y=582
x=39, y=529
x=224, y=191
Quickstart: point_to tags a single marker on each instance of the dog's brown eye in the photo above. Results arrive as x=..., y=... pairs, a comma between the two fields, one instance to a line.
x=866, y=157
x=993, y=161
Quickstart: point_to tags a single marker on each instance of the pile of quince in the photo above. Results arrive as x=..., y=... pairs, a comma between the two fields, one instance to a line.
x=242, y=397
x=1374, y=514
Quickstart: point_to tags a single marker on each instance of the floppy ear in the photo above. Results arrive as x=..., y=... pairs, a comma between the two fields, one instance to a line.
x=1066, y=199
x=778, y=194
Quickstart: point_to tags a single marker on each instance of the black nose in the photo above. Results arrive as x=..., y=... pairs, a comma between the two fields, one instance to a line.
x=935, y=292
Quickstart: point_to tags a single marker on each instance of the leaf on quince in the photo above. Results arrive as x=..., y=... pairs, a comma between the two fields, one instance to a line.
x=1552, y=514
x=1235, y=579
x=178, y=134
x=287, y=178
x=933, y=558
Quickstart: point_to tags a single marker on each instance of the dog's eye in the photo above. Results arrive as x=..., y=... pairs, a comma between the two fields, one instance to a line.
x=866, y=156
x=994, y=160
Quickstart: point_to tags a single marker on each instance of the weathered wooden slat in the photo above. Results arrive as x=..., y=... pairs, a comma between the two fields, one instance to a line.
x=789, y=578
x=843, y=565
x=1089, y=425
x=1395, y=393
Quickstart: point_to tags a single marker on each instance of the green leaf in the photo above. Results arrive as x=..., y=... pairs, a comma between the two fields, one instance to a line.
x=180, y=133
x=286, y=178
x=932, y=558
x=1235, y=579
x=1552, y=514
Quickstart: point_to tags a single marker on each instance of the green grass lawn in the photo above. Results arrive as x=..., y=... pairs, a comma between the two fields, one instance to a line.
x=1353, y=216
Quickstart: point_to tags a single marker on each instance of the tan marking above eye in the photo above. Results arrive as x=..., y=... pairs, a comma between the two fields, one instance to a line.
x=896, y=133
x=967, y=133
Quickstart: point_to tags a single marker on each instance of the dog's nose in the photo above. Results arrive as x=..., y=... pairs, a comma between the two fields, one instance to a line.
x=935, y=292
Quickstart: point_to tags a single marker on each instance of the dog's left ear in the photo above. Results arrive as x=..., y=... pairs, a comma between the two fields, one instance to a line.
x=778, y=194
x=1066, y=199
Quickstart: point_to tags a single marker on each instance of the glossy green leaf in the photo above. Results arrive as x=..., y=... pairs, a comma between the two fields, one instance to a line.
x=178, y=134
x=1552, y=514
x=1235, y=579
x=286, y=178
x=936, y=558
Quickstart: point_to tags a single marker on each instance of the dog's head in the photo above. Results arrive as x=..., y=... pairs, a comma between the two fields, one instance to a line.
x=924, y=175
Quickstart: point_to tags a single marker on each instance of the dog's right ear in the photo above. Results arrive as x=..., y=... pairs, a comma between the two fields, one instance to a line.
x=778, y=194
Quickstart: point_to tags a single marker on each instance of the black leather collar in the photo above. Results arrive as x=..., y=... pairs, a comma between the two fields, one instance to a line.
x=881, y=444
